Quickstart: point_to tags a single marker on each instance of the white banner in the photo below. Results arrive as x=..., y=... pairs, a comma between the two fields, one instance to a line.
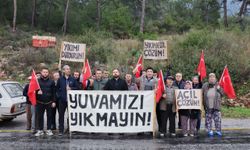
x=73, y=52
x=189, y=99
x=111, y=111
x=155, y=49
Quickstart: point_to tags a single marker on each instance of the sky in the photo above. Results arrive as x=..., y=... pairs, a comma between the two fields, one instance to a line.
x=233, y=7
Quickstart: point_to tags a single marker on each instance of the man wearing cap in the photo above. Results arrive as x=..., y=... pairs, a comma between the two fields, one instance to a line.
x=212, y=93
x=168, y=108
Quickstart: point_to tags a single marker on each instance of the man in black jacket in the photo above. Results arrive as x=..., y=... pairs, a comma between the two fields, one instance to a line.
x=180, y=84
x=45, y=101
x=197, y=84
x=116, y=83
x=65, y=82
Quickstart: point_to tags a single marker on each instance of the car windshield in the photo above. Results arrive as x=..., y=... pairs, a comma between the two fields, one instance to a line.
x=13, y=89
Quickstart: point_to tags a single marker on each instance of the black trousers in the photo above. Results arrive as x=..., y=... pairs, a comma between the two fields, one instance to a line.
x=165, y=116
x=40, y=109
x=198, y=121
x=62, y=108
x=158, y=114
x=53, y=116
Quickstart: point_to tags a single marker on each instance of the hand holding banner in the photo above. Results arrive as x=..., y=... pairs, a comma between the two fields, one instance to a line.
x=74, y=52
x=111, y=111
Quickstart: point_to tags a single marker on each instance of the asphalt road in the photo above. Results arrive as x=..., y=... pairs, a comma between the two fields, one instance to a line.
x=14, y=136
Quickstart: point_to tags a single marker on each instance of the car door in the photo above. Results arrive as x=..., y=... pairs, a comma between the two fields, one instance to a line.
x=5, y=102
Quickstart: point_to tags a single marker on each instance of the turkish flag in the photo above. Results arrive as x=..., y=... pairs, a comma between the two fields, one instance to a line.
x=161, y=86
x=201, y=69
x=33, y=87
x=139, y=67
x=226, y=83
x=86, y=74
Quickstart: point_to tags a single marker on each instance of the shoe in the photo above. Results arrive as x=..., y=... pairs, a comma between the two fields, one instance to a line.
x=191, y=135
x=218, y=133
x=60, y=133
x=67, y=130
x=33, y=131
x=53, y=128
x=185, y=135
x=210, y=133
x=49, y=133
x=140, y=134
x=162, y=135
x=173, y=134
x=39, y=133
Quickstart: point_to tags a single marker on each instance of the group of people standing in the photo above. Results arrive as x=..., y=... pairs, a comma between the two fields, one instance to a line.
x=190, y=119
x=52, y=98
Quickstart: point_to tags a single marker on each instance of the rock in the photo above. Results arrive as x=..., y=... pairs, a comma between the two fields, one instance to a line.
x=237, y=105
x=21, y=75
x=9, y=47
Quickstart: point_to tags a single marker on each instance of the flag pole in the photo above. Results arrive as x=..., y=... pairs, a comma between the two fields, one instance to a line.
x=36, y=79
x=154, y=117
x=60, y=60
x=222, y=73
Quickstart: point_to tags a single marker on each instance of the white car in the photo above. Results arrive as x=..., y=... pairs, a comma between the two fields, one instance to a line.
x=12, y=101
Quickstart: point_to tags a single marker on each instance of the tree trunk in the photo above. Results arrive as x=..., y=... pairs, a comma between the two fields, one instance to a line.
x=33, y=17
x=225, y=13
x=206, y=13
x=65, y=18
x=98, y=19
x=242, y=8
x=49, y=12
x=142, y=15
x=14, y=16
x=241, y=14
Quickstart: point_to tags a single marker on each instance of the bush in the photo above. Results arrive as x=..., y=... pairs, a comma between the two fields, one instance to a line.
x=220, y=47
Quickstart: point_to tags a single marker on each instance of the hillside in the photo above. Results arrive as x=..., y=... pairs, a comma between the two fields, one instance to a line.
x=221, y=48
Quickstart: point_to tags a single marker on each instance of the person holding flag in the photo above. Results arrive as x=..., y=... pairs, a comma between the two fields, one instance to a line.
x=30, y=93
x=212, y=93
x=158, y=95
x=197, y=83
x=30, y=109
x=45, y=101
x=65, y=82
x=148, y=82
x=168, y=108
